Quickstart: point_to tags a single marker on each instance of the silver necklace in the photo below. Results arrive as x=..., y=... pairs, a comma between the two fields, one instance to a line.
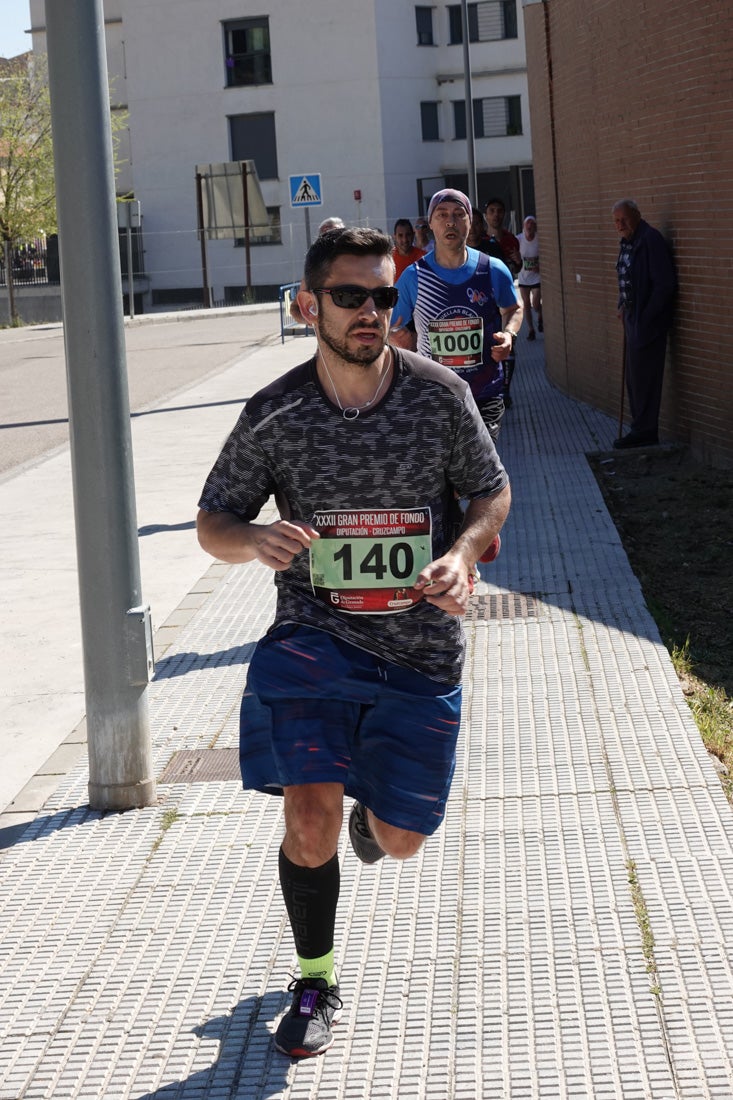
x=351, y=412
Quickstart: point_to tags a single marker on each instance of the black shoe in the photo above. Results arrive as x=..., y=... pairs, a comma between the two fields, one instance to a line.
x=636, y=439
x=361, y=837
x=531, y=335
x=507, y=400
x=539, y=325
x=305, y=1029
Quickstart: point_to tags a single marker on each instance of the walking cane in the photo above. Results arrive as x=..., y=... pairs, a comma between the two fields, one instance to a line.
x=623, y=389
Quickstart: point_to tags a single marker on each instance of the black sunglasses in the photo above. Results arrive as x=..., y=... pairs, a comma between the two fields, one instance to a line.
x=353, y=297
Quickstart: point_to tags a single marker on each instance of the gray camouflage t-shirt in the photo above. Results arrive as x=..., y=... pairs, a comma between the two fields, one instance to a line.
x=421, y=444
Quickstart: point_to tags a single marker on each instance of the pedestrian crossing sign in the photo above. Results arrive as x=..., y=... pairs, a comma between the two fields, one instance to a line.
x=305, y=191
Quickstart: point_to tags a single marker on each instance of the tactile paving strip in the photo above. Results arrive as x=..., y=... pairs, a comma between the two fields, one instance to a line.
x=145, y=955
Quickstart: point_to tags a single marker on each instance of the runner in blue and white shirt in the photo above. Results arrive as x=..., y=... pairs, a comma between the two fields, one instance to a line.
x=464, y=305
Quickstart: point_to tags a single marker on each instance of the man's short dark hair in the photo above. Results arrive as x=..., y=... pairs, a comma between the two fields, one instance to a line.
x=495, y=202
x=342, y=242
x=403, y=223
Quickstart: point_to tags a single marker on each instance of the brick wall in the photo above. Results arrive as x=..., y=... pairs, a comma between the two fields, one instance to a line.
x=631, y=98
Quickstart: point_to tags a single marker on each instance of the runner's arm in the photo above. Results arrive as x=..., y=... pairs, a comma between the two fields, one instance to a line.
x=399, y=335
x=228, y=538
x=510, y=308
x=504, y=340
x=445, y=581
x=482, y=522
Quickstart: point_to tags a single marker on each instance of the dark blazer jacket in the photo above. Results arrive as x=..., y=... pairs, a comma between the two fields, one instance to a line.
x=654, y=286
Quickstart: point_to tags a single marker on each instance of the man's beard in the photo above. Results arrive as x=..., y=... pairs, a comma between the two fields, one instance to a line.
x=363, y=356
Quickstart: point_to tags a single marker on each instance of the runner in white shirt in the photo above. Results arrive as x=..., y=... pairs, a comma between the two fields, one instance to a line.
x=529, y=276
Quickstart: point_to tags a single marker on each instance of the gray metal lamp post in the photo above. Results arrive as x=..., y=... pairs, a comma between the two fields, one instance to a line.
x=470, y=129
x=115, y=626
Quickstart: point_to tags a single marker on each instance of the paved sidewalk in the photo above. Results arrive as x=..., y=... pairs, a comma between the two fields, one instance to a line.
x=568, y=933
x=173, y=436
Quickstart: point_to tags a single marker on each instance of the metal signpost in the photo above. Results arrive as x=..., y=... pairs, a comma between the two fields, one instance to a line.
x=305, y=191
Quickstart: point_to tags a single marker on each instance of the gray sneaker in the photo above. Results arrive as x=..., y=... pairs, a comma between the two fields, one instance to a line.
x=361, y=837
x=305, y=1029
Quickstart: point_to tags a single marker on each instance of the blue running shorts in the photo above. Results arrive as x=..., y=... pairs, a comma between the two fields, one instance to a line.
x=319, y=710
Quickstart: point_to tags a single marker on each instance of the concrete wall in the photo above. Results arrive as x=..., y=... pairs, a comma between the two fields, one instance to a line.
x=635, y=100
x=35, y=305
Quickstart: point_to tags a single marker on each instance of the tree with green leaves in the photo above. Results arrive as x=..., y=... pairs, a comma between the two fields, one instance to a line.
x=27, y=190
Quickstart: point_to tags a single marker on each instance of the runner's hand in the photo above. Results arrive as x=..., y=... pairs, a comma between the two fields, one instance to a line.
x=401, y=337
x=445, y=584
x=502, y=346
x=276, y=544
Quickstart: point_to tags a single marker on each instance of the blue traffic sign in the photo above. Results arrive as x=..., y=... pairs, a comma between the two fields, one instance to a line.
x=305, y=191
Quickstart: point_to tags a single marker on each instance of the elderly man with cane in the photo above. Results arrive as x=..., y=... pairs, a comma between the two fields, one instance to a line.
x=647, y=286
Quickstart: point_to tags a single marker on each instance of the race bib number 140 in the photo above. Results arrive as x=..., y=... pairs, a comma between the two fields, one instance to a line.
x=365, y=563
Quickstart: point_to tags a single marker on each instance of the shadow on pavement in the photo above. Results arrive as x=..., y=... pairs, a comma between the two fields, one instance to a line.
x=156, y=528
x=179, y=664
x=247, y=1064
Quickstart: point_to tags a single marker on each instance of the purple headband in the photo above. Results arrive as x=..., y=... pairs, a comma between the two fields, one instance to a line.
x=449, y=195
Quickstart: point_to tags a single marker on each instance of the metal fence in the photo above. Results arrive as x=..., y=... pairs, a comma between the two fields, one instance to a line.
x=36, y=263
x=33, y=263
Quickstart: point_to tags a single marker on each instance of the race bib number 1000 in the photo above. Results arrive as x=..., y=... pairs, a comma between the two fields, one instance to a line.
x=366, y=562
x=457, y=342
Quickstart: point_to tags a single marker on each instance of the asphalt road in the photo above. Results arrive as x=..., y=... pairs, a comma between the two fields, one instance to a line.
x=163, y=356
x=188, y=377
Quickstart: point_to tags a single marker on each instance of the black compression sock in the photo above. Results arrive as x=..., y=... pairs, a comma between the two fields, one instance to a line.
x=311, y=896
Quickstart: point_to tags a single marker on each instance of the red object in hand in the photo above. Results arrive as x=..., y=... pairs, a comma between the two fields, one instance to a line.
x=491, y=553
